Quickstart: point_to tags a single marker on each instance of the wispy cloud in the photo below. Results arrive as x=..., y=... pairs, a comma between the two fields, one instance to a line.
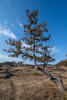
x=20, y=24
x=6, y=58
x=54, y=50
x=6, y=32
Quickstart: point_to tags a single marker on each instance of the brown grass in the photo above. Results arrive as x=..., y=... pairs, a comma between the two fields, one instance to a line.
x=28, y=84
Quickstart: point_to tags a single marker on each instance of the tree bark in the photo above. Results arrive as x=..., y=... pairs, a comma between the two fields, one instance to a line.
x=34, y=55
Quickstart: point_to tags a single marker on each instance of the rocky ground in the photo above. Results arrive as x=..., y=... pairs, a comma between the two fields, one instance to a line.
x=25, y=83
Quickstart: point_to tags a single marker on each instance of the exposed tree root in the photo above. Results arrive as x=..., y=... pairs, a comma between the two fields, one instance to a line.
x=57, y=80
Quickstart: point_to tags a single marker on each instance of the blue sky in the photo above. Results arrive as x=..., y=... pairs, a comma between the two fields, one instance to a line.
x=53, y=12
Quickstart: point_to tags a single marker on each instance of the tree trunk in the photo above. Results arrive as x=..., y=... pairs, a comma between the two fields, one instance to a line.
x=44, y=65
x=34, y=55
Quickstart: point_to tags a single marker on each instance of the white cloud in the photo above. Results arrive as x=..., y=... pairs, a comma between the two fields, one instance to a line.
x=6, y=32
x=54, y=50
x=24, y=44
x=20, y=25
x=6, y=58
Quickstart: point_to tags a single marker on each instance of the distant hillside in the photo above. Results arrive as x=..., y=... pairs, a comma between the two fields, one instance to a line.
x=62, y=63
x=14, y=64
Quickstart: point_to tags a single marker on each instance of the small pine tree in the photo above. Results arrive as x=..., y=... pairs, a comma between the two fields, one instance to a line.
x=34, y=39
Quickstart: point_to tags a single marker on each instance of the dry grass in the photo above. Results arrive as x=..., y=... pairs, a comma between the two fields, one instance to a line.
x=28, y=84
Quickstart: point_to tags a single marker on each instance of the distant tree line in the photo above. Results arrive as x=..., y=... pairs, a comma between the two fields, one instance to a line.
x=8, y=64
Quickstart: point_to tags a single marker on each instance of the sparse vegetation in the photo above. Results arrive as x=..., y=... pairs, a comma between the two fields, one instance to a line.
x=62, y=63
x=7, y=63
x=26, y=83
